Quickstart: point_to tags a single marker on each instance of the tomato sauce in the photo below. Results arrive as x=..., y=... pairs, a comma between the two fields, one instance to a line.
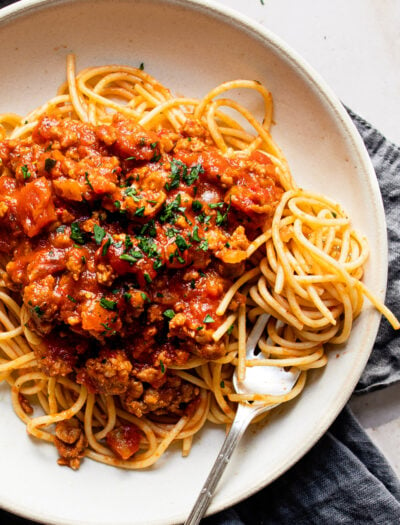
x=121, y=243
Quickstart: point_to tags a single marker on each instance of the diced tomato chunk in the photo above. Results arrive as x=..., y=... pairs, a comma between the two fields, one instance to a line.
x=124, y=440
x=35, y=207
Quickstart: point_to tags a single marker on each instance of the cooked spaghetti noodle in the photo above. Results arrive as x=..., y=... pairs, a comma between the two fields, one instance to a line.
x=148, y=196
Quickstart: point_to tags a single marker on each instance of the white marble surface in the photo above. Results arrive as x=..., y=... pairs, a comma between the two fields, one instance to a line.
x=355, y=47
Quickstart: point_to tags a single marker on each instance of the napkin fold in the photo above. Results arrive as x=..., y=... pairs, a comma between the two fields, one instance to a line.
x=344, y=479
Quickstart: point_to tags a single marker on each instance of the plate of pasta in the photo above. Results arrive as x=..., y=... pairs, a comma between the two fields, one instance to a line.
x=157, y=195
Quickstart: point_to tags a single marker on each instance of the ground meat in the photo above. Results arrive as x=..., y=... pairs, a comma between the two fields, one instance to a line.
x=194, y=128
x=26, y=406
x=40, y=300
x=172, y=398
x=71, y=442
x=75, y=263
x=106, y=374
x=128, y=139
x=123, y=241
x=57, y=356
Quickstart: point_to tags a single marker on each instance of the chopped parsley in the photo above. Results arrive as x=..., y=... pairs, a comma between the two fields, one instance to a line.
x=49, y=164
x=178, y=170
x=148, y=246
x=71, y=298
x=128, y=242
x=147, y=278
x=195, y=234
x=38, y=311
x=87, y=181
x=127, y=296
x=76, y=234
x=99, y=233
x=162, y=367
x=139, y=212
x=171, y=232
x=203, y=218
x=156, y=158
x=132, y=192
x=208, y=319
x=181, y=243
x=144, y=296
x=197, y=206
x=149, y=229
x=25, y=172
x=105, y=247
x=193, y=175
x=107, y=304
x=203, y=245
x=170, y=210
x=141, y=67
x=169, y=314
x=158, y=264
x=131, y=257
x=221, y=218
x=230, y=329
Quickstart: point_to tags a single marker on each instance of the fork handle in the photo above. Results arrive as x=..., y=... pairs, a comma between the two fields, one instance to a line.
x=243, y=418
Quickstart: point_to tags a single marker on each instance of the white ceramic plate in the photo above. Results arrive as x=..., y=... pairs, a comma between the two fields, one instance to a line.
x=190, y=47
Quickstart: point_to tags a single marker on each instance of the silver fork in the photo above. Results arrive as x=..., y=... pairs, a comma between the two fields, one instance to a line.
x=262, y=380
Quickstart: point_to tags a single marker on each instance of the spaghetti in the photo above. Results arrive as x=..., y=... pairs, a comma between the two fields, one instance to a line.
x=148, y=166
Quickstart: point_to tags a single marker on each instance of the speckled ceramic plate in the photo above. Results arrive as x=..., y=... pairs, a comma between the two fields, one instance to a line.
x=190, y=46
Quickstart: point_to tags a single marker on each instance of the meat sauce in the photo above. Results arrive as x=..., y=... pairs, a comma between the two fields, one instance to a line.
x=121, y=243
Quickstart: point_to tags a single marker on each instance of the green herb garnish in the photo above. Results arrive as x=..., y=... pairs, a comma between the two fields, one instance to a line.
x=139, y=212
x=131, y=257
x=169, y=314
x=193, y=175
x=105, y=247
x=76, y=233
x=99, y=233
x=38, y=311
x=25, y=172
x=49, y=164
x=107, y=304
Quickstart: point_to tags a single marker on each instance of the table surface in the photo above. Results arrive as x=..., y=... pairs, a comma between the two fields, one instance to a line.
x=355, y=46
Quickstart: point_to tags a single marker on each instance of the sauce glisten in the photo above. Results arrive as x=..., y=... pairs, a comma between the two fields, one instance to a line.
x=121, y=242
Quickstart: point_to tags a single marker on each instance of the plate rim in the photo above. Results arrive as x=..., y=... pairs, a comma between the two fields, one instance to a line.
x=253, y=28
